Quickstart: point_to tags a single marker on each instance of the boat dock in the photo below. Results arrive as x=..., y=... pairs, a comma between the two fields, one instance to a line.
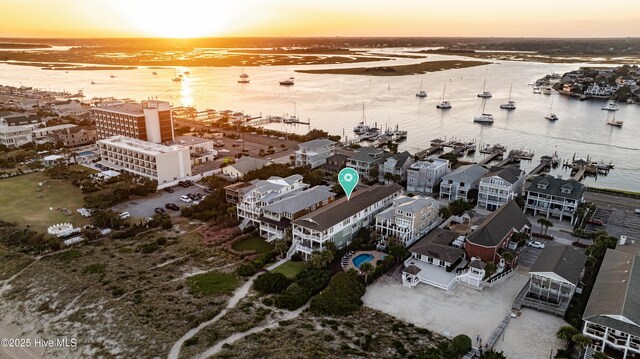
x=546, y=162
x=515, y=156
x=495, y=152
x=259, y=121
x=581, y=168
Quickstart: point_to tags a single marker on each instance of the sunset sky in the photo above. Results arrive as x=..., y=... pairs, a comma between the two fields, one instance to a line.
x=189, y=18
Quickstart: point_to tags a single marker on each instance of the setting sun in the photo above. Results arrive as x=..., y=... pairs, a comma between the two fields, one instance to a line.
x=187, y=18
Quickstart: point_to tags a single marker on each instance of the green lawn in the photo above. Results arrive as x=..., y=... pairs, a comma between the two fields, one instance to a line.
x=24, y=201
x=212, y=283
x=290, y=268
x=256, y=243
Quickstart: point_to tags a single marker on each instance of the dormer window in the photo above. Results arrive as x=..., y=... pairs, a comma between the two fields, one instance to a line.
x=542, y=186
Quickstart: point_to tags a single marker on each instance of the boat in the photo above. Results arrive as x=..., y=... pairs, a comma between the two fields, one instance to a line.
x=610, y=107
x=187, y=72
x=629, y=100
x=177, y=77
x=537, y=90
x=551, y=116
x=93, y=83
x=421, y=93
x=613, y=122
x=244, y=78
x=362, y=127
x=293, y=119
x=444, y=104
x=484, y=117
x=483, y=93
x=510, y=105
x=287, y=82
x=546, y=91
x=154, y=73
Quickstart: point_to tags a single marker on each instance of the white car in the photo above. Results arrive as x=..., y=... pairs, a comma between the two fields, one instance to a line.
x=124, y=215
x=637, y=210
x=185, y=199
x=536, y=244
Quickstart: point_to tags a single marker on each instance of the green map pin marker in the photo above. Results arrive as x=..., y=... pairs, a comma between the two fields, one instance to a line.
x=348, y=179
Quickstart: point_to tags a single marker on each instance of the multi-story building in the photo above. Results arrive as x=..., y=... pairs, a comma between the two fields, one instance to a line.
x=408, y=219
x=150, y=121
x=277, y=216
x=394, y=168
x=15, y=136
x=20, y=119
x=340, y=221
x=499, y=186
x=554, y=197
x=553, y=279
x=495, y=233
x=242, y=166
x=334, y=164
x=76, y=136
x=457, y=184
x=314, y=153
x=235, y=192
x=164, y=164
x=201, y=149
x=48, y=134
x=612, y=315
x=264, y=193
x=423, y=176
x=365, y=160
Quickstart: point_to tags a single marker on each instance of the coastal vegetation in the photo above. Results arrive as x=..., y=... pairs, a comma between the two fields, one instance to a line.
x=400, y=70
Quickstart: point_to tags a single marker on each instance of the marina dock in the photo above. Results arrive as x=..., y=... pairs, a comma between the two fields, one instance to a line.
x=495, y=152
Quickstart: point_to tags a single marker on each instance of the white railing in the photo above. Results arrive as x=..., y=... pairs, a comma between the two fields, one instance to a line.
x=244, y=223
x=292, y=250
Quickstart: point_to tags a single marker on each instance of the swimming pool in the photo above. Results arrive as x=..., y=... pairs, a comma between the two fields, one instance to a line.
x=86, y=153
x=362, y=258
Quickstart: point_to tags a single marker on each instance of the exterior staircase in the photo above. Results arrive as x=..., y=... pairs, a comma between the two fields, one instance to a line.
x=292, y=250
x=244, y=223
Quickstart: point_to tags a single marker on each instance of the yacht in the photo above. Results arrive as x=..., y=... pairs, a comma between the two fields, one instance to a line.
x=546, y=91
x=551, y=116
x=510, y=105
x=287, y=82
x=362, y=128
x=610, y=107
x=537, y=90
x=484, y=117
x=93, y=82
x=154, y=73
x=613, y=122
x=244, y=78
x=483, y=93
x=421, y=93
x=444, y=104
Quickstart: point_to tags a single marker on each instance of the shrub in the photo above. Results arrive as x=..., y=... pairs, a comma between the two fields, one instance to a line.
x=342, y=296
x=94, y=268
x=247, y=270
x=212, y=283
x=148, y=247
x=161, y=241
x=191, y=341
x=166, y=223
x=271, y=282
x=314, y=280
x=293, y=297
x=296, y=257
x=460, y=345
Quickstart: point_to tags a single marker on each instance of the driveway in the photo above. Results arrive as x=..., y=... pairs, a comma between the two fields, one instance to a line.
x=143, y=207
x=529, y=256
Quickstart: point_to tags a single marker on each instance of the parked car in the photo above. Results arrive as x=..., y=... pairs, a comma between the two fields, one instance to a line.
x=207, y=190
x=183, y=184
x=124, y=215
x=536, y=244
x=596, y=222
x=185, y=199
x=189, y=183
x=172, y=206
x=254, y=133
x=637, y=211
x=159, y=210
x=235, y=145
x=169, y=190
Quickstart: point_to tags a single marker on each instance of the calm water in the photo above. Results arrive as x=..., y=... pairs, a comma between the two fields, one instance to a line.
x=334, y=103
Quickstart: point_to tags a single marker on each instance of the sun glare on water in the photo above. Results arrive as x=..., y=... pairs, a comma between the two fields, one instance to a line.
x=179, y=19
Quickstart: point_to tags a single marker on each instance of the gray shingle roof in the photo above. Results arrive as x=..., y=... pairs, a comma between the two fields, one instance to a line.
x=300, y=200
x=411, y=269
x=320, y=142
x=616, y=291
x=565, y=261
x=498, y=224
x=436, y=244
x=554, y=187
x=336, y=212
x=246, y=164
x=366, y=154
x=509, y=174
x=466, y=174
x=401, y=158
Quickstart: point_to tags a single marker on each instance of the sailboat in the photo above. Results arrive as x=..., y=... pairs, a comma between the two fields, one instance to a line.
x=551, y=116
x=244, y=78
x=361, y=128
x=421, y=93
x=293, y=118
x=177, y=78
x=613, y=122
x=510, y=105
x=484, y=117
x=485, y=94
x=444, y=104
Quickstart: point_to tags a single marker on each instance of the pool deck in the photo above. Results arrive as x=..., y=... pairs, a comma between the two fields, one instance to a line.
x=377, y=255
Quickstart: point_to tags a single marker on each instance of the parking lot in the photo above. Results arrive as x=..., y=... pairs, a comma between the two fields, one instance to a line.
x=529, y=256
x=622, y=220
x=144, y=207
x=601, y=214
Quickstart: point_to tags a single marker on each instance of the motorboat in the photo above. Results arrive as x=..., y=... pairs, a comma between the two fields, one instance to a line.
x=546, y=91
x=537, y=90
x=613, y=122
x=610, y=107
x=287, y=82
x=154, y=73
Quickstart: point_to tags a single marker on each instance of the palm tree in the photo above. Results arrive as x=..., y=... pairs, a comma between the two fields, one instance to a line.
x=366, y=269
x=281, y=246
x=566, y=333
x=508, y=257
x=490, y=268
x=581, y=342
x=579, y=232
x=316, y=261
x=543, y=222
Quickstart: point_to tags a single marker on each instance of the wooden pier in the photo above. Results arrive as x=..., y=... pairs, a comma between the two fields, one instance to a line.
x=493, y=153
x=581, y=168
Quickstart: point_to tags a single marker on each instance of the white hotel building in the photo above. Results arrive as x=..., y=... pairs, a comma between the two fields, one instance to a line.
x=161, y=163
